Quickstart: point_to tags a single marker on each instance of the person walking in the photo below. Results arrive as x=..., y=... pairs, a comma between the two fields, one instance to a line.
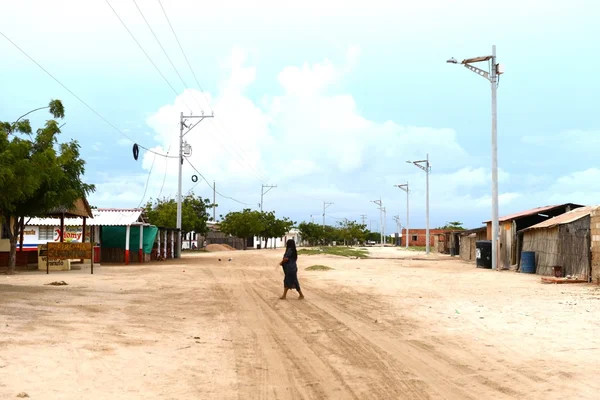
x=290, y=269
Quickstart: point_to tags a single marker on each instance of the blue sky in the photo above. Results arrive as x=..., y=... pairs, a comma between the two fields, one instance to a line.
x=325, y=99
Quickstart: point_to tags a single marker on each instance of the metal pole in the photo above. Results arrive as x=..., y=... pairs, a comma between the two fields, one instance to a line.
x=427, y=206
x=381, y=222
x=179, y=185
x=407, y=234
x=262, y=195
x=214, y=201
x=324, y=214
x=495, y=227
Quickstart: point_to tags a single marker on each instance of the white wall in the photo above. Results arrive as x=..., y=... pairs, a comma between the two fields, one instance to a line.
x=278, y=243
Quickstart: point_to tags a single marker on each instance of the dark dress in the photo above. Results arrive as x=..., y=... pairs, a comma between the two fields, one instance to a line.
x=290, y=268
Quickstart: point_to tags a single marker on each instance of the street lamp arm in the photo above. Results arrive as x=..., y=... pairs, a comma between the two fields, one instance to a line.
x=478, y=71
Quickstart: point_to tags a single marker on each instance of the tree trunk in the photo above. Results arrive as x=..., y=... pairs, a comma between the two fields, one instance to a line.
x=13, y=236
x=266, y=241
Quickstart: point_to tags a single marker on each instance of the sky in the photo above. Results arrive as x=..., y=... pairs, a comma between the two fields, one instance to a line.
x=325, y=99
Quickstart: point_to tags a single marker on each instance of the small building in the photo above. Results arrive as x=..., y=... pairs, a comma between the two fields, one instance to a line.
x=112, y=235
x=27, y=250
x=561, y=241
x=277, y=243
x=508, y=246
x=418, y=237
x=467, y=242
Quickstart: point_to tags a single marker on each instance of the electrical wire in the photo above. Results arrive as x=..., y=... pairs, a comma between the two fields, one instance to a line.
x=144, y=51
x=220, y=194
x=81, y=101
x=160, y=44
x=165, y=175
x=147, y=182
x=261, y=176
x=184, y=55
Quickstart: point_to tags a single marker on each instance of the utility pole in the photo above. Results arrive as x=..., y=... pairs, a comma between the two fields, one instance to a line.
x=397, y=219
x=384, y=226
x=364, y=217
x=491, y=75
x=214, y=202
x=425, y=166
x=381, y=209
x=262, y=193
x=405, y=188
x=184, y=150
x=325, y=207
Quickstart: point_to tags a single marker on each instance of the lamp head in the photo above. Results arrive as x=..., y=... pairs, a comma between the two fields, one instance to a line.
x=452, y=61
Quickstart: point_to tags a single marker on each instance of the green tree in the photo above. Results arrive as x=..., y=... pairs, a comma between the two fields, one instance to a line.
x=194, y=214
x=453, y=225
x=273, y=227
x=313, y=233
x=373, y=236
x=37, y=174
x=243, y=224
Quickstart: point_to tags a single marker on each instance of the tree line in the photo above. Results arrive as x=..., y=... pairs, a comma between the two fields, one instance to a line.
x=251, y=223
x=346, y=232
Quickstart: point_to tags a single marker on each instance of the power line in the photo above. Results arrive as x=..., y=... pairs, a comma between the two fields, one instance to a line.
x=159, y=43
x=184, y=55
x=165, y=175
x=147, y=182
x=259, y=175
x=144, y=51
x=220, y=194
x=83, y=102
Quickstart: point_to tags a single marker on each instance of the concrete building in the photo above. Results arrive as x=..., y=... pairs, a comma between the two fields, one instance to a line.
x=418, y=237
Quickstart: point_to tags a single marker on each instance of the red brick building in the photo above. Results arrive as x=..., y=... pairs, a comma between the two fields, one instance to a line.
x=418, y=237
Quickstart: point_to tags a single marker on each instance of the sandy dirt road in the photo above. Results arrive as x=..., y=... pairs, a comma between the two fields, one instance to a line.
x=369, y=329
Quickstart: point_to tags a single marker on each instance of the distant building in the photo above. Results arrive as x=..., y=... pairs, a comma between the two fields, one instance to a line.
x=418, y=237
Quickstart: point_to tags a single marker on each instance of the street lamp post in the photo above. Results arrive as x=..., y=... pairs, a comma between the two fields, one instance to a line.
x=494, y=71
x=405, y=188
x=381, y=209
x=425, y=166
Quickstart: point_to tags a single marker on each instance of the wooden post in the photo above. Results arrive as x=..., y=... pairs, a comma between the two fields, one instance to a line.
x=141, y=250
x=83, y=236
x=62, y=228
x=158, y=253
x=165, y=245
x=172, y=244
x=127, y=231
x=21, y=235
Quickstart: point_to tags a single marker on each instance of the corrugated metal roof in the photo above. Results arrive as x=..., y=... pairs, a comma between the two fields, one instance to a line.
x=563, y=219
x=531, y=212
x=102, y=217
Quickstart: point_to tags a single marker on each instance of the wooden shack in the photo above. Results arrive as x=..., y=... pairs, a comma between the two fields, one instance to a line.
x=562, y=241
x=509, y=247
x=468, y=240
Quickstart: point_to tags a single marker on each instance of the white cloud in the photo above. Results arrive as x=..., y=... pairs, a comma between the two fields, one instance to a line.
x=312, y=141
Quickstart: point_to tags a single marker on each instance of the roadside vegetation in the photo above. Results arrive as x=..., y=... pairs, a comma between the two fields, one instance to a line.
x=335, y=251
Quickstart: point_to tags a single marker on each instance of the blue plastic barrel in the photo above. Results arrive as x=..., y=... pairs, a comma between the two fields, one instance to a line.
x=528, y=262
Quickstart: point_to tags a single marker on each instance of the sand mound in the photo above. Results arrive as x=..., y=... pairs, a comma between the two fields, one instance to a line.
x=219, y=247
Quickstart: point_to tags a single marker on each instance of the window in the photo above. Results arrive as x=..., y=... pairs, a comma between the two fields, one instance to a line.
x=414, y=238
x=46, y=233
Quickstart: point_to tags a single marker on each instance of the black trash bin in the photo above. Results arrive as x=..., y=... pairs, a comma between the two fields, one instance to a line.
x=483, y=254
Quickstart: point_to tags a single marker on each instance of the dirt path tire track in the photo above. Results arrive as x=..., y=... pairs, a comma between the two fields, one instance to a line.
x=250, y=359
x=499, y=376
x=388, y=381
